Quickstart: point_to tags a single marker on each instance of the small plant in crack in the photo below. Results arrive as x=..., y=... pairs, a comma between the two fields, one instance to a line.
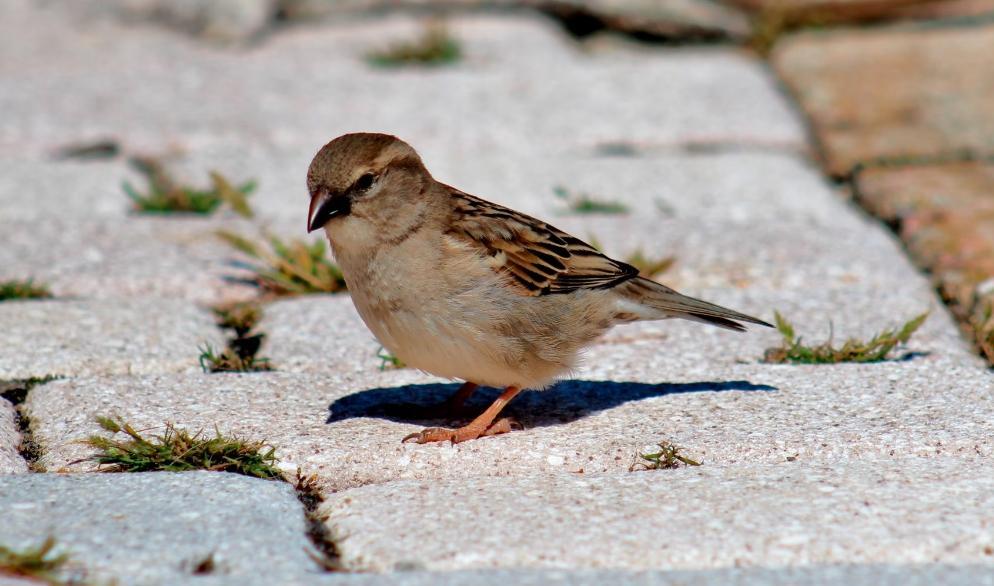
x=23, y=289
x=165, y=194
x=649, y=268
x=177, y=450
x=666, y=458
x=792, y=349
x=242, y=351
x=435, y=47
x=231, y=359
x=324, y=554
x=38, y=564
x=288, y=268
x=584, y=203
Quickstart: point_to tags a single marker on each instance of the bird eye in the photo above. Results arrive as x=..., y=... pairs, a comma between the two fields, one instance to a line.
x=364, y=182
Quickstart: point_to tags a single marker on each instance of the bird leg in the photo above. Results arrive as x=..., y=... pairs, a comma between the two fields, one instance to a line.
x=481, y=426
x=451, y=408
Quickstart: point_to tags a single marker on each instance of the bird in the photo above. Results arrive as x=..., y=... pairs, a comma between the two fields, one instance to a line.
x=466, y=289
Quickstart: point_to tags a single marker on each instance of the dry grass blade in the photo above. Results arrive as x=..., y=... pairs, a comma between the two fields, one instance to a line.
x=15, y=289
x=584, y=203
x=176, y=450
x=650, y=268
x=666, y=458
x=435, y=47
x=792, y=348
x=289, y=268
x=38, y=564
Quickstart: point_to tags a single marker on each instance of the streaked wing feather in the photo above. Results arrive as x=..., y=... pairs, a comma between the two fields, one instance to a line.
x=540, y=258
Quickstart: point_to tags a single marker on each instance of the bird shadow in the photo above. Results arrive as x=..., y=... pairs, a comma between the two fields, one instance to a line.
x=565, y=402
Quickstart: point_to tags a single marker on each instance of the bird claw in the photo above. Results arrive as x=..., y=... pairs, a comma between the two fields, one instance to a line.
x=468, y=432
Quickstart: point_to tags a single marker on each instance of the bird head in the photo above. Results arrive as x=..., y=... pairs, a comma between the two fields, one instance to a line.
x=365, y=186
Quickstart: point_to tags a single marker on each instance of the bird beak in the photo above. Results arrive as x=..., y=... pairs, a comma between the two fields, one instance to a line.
x=325, y=206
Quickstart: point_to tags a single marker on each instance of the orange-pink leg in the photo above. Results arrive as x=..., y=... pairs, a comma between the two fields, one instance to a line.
x=481, y=426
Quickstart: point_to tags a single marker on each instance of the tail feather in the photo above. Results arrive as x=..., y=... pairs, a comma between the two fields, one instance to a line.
x=656, y=301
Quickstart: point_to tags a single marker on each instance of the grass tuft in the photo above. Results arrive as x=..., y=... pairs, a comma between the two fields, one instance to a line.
x=289, y=268
x=435, y=47
x=38, y=564
x=584, y=203
x=165, y=195
x=666, y=458
x=176, y=450
x=26, y=289
x=388, y=360
x=792, y=348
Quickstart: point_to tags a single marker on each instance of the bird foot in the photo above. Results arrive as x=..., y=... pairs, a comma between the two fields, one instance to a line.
x=467, y=432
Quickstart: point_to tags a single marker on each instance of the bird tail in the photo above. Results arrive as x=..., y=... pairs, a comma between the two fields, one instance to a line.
x=648, y=300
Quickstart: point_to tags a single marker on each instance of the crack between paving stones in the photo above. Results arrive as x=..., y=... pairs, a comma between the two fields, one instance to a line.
x=16, y=392
x=325, y=553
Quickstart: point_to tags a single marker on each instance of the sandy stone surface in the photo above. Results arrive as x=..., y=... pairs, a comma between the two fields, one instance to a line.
x=348, y=429
x=893, y=93
x=791, y=514
x=138, y=257
x=11, y=462
x=154, y=528
x=105, y=80
x=88, y=337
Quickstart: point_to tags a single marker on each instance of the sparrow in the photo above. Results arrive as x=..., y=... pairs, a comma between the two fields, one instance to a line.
x=467, y=289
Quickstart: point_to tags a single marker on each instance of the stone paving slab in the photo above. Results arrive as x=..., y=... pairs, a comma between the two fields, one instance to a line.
x=172, y=257
x=153, y=528
x=945, y=216
x=665, y=185
x=348, y=428
x=308, y=84
x=901, y=511
x=88, y=337
x=39, y=191
x=893, y=93
x=11, y=462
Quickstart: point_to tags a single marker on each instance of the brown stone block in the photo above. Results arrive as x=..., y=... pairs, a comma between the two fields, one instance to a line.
x=893, y=93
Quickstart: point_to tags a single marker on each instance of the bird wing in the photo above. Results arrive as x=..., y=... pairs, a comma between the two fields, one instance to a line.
x=541, y=259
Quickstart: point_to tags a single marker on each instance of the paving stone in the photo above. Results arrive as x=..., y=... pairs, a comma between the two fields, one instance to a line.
x=945, y=216
x=347, y=427
x=138, y=256
x=893, y=93
x=153, y=528
x=11, y=462
x=39, y=191
x=87, y=337
x=507, y=95
x=902, y=511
